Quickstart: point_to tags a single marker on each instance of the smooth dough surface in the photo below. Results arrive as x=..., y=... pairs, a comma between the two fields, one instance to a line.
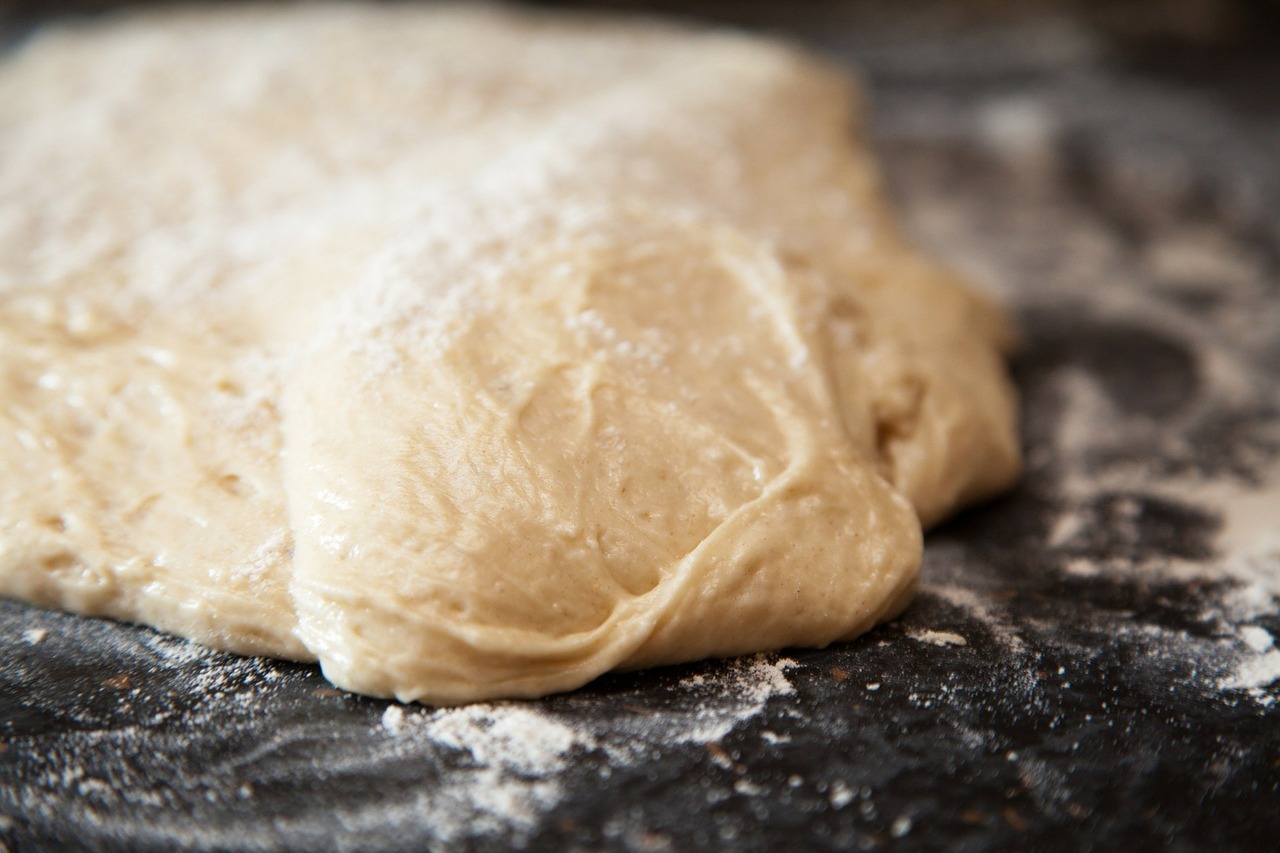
x=470, y=352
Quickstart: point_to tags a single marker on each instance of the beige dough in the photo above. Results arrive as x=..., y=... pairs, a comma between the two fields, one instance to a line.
x=470, y=352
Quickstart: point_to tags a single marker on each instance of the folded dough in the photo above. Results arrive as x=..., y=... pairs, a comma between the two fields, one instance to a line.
x=471, y=352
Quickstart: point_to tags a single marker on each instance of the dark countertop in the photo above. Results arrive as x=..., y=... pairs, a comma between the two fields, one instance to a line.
x=1089, y=662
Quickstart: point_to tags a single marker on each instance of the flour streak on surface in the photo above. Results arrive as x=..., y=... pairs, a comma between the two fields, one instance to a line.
x=495, y=769
x=514, y=754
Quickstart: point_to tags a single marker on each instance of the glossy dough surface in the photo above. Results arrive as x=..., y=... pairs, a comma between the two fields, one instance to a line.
x=470, y=352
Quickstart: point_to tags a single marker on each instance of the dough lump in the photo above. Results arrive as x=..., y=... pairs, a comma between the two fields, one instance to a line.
x=470, y=352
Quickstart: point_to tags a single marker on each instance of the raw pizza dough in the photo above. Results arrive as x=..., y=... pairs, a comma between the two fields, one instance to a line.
x=470, y=352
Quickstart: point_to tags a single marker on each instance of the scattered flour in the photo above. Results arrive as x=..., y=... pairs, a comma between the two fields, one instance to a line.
x=728, y=700
x=841, y=794
x=1243, y=573
x=938, y=638
x=393, y=719
x=496, y=769
x=1257, y=639
x=1249, y=544
x=978, y=607
x=515, y=752
x=1254, y=671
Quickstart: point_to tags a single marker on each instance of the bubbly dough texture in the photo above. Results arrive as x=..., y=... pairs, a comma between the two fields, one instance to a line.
x=470, y=352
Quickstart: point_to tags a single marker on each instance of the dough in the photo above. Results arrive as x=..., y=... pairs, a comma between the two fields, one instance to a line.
x=470, y=352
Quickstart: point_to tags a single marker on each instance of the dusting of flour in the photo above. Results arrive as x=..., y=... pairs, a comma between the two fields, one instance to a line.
x=514, y=752
x=496, y=770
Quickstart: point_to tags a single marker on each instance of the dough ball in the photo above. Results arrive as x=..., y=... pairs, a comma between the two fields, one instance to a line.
x=471, y=352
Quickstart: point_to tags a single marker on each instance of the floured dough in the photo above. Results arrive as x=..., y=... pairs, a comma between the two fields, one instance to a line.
x=470, y=352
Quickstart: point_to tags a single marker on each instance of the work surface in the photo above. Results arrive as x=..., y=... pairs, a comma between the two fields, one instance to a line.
x=1090, y=659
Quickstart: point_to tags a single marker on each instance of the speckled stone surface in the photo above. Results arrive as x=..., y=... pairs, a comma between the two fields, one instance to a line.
x=1090, y=663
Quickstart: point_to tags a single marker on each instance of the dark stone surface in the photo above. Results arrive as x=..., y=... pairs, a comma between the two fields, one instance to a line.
x=1107, y=692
